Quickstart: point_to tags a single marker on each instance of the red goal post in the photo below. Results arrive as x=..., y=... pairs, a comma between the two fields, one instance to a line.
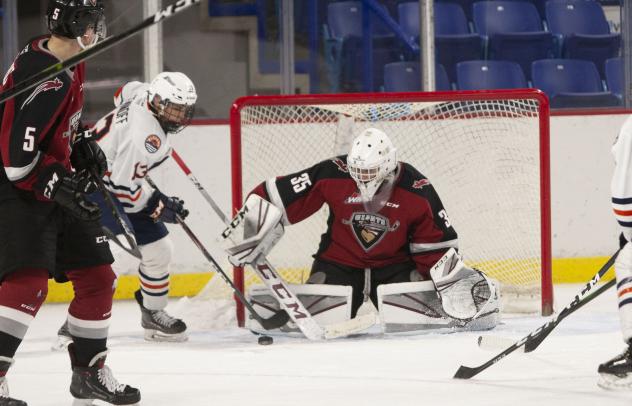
x=486, y=153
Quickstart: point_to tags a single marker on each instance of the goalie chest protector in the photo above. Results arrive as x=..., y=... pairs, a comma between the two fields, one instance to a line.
x=412, y=223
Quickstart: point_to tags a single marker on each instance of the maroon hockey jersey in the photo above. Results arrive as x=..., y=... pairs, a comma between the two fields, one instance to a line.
x=412, y=225
x=37, y=127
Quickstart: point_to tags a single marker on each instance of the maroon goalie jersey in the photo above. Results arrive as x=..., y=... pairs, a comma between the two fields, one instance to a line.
x=412, y=225
x=37, y=126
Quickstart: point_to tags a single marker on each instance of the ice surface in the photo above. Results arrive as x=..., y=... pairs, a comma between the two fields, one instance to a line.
x=228, y=367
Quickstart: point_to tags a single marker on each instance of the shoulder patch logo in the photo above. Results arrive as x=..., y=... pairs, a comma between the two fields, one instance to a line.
x=369, y=228
x=419, y=184
x=54, y=84
x=152, y=143
x=342, y=167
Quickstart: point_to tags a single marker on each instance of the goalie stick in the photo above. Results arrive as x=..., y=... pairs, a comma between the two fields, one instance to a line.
x=294, y=308
x=106, y=44
x=535, y=338
x=277, y=320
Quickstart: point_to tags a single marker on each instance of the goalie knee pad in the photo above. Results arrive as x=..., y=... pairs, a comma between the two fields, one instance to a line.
x=328, y=304
x=623, y=269
x=465, y=293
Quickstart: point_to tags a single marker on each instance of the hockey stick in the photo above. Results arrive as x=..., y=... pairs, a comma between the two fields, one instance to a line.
x=133, y=247
x=277, y=320
x=533, y=339
x=109, y=42
x=278, y=287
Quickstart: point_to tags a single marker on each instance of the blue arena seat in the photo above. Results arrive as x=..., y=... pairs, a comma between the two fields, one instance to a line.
x=344, y=50
x=583, y=31
x=615, y=76
x=479, y=75
x=453, y=40
x=406, y=77
x=514, y=32
x=571, y=83
x=466, y=5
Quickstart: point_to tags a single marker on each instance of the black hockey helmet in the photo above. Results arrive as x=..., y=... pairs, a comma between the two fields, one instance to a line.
x=73, y=18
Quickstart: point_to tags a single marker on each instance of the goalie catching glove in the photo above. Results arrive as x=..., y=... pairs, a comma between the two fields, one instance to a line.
x=253, y=232
x=465, y=293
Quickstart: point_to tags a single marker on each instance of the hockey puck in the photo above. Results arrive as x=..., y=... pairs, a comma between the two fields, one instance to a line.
x=265, y=340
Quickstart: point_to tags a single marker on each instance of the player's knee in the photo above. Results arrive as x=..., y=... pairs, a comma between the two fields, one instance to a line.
x=157, y=256
x=25, y=290
x=94, y=281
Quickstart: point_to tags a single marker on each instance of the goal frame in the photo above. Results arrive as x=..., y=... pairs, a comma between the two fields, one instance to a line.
x=447, y=96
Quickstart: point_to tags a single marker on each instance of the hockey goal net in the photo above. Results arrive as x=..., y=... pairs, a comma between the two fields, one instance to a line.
x=486, y=153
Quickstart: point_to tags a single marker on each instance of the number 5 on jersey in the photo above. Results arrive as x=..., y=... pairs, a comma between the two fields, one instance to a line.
x=29, y=139
x=300, y=183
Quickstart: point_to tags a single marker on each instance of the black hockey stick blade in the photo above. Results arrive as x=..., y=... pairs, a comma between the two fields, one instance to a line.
x=534, y=342
x=278, y=319
x=106, y=44
x=112, y=237
x=578, y=301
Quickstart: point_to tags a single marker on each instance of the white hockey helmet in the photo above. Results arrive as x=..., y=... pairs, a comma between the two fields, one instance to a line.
x=372, y=158
x=172, y=99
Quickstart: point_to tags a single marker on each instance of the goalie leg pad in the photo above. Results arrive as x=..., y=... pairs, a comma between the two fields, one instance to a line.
x=416, y=308
x=465, y=293
x=623, y=269
x=328, y=304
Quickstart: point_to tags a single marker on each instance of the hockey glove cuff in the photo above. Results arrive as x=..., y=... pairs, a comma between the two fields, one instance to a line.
x=87, y=155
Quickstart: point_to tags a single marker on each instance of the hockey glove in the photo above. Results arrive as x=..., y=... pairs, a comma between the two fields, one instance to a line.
x=69, y=190
x=163, y=208
x=87, y=155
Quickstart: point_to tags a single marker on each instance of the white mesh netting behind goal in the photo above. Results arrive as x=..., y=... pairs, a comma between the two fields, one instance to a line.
x=481, y=151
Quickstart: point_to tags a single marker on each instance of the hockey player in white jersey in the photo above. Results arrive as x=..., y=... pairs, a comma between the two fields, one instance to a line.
x=617, y=373
x=134, y=138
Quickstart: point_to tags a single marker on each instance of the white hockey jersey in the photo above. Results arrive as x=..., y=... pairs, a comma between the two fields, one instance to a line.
x=622, y=179
x=134, y=143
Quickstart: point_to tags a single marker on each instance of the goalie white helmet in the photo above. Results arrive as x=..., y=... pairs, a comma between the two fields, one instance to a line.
x=172, y=99
x=371, y=160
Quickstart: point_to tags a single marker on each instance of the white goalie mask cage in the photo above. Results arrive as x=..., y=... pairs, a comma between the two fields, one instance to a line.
x=371, y=159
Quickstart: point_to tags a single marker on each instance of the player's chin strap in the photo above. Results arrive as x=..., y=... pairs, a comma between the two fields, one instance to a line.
x=278, y=287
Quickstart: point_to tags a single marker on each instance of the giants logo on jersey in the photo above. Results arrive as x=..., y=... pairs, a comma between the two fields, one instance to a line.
x=54, y=84
x=419, y=184
x=342, y=167
x=369, y=228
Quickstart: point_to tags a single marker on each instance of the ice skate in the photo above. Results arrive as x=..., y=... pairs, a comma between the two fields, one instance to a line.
x=96, y=382
x=5, y=399
x=616, y=374
x=63, y=338
x=159, y=325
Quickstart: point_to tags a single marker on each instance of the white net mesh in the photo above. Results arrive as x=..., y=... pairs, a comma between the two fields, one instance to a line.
x=483, y=158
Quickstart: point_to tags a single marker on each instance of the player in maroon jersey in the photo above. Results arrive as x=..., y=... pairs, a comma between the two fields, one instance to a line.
x=387, y=225
x=49, y=229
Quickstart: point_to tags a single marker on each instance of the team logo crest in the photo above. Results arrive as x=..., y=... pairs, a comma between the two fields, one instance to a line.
x=369, y=228
x=419, y=184
x=54, y=84
x=152, y=143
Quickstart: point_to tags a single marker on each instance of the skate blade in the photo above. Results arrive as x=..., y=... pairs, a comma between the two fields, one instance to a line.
x=157, y=336
x=90, y=402
x=614, y=383
x=61, y=344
